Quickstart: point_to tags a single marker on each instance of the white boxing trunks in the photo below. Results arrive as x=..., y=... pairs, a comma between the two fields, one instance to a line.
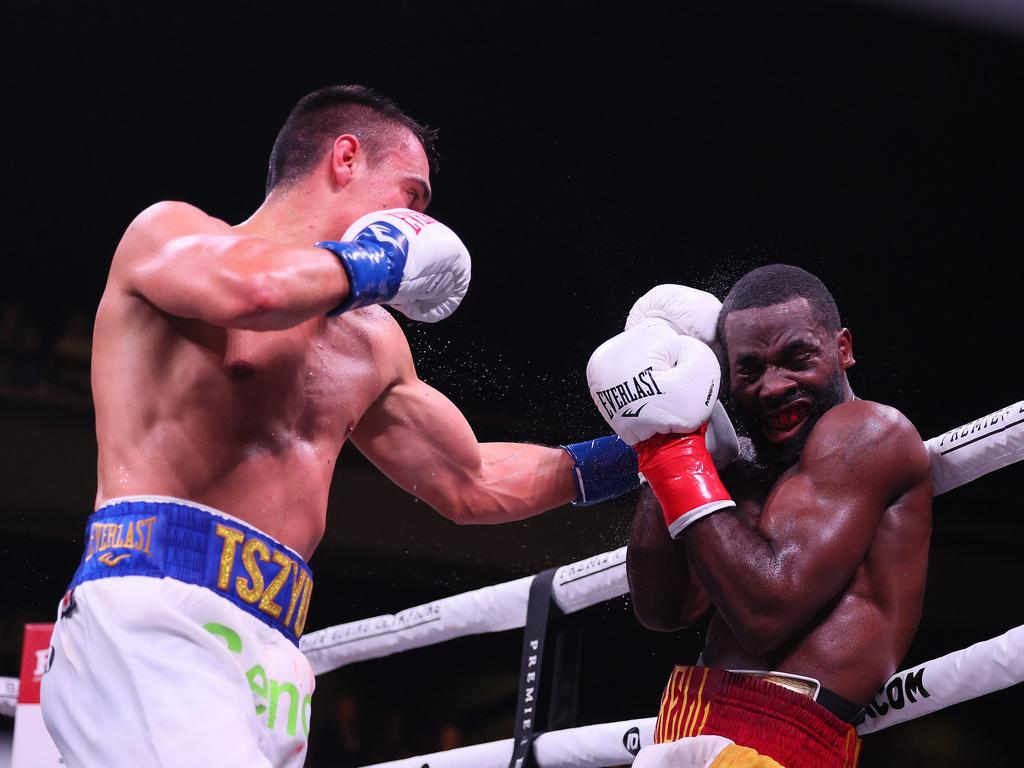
x=177, y=643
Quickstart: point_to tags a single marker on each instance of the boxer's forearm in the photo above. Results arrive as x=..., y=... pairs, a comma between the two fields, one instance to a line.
x=664, y=594
x=418, y=438
x=754, y=586
x=516, y=481
x=421, y=440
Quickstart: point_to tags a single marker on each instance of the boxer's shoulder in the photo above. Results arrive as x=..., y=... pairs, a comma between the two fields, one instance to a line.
x=867, y=434
x=866, y=420
x=158, y=224
x=174, y=218
x=168, y=209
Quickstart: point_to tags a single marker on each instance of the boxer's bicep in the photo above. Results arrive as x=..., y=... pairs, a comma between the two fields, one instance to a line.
x=823, y=519
x=422, y=442
x=190, y=265
x=141, y=264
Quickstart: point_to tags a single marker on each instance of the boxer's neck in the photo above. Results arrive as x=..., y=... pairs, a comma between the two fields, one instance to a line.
x=294, y=215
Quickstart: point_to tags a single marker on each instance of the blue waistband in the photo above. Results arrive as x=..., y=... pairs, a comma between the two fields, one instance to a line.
x=176, y=540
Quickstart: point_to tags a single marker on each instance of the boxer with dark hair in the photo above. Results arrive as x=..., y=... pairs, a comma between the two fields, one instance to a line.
x=374, y=119
x=808, y=554
x=230, y=364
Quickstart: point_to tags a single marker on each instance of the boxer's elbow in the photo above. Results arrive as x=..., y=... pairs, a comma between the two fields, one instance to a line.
x=663, y=604
x=478, y=512
x=661, y=616
x=476, y=505
x=456, y=511
x=758, y=638
x=461, y=506
x=763, y=628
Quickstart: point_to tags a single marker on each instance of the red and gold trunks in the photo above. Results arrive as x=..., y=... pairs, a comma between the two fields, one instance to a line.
x=775, y=722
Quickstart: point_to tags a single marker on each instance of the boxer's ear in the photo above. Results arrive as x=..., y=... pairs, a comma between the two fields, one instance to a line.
x=844, y=344
x=343, y=154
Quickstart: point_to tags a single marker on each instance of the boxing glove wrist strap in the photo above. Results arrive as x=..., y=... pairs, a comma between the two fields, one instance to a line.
x=374, y=268
x=683, y=477
x=604, y=468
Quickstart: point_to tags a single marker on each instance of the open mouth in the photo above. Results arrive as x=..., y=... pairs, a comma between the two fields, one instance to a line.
x=784, y=423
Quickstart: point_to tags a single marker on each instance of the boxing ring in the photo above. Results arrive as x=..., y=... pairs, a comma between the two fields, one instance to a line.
x=959, y=456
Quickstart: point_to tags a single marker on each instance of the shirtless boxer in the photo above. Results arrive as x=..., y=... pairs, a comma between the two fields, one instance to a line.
x=808, y=556
x=230, y=365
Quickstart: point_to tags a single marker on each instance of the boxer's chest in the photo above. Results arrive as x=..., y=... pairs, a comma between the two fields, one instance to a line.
x=302, y=379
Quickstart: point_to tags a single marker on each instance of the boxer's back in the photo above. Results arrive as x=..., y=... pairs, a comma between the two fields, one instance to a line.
x=249, y=422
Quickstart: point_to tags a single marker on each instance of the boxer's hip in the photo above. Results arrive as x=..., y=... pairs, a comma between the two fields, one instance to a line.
x=780, y=721
x=195, y=680
x=161, y=537
x=188, y=619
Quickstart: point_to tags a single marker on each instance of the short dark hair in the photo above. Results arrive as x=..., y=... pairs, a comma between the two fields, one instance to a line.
x=323, y=115
x=776, y=284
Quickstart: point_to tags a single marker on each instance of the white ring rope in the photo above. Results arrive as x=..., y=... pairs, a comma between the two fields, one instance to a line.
x=977, y=448
x=983, y=668
x=8, y=695
x=490, y=609
x=589, y=746
x=958, y=456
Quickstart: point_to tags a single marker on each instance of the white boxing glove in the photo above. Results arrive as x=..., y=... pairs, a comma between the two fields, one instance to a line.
x=404, y=259
x=649, y=380
x=657, y=390
x=691, y=312
x=723, y=444
x=688, y=311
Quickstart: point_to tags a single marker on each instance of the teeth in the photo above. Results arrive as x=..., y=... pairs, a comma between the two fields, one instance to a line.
x=785, y=419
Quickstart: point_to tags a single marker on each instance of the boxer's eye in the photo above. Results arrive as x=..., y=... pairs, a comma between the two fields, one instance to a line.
x=747, y=375
x=802, y=359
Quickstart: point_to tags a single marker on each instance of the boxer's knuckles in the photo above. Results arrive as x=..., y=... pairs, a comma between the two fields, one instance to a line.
x=687, y=311
x=649, y=380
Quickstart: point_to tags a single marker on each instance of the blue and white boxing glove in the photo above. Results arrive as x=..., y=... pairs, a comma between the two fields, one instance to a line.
x=404, y=259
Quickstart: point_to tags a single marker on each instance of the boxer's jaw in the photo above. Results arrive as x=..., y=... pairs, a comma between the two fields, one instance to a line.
x=779, y=449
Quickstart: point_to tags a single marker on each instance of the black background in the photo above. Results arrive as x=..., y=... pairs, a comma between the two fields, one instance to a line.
x=589, y=151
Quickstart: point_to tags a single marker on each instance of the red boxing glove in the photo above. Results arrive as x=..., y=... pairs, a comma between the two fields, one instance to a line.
x=683, y=477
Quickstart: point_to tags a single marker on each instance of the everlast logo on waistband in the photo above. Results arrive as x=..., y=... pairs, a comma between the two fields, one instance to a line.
x=133, y=535
x=261, y=586
x=618, y=397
